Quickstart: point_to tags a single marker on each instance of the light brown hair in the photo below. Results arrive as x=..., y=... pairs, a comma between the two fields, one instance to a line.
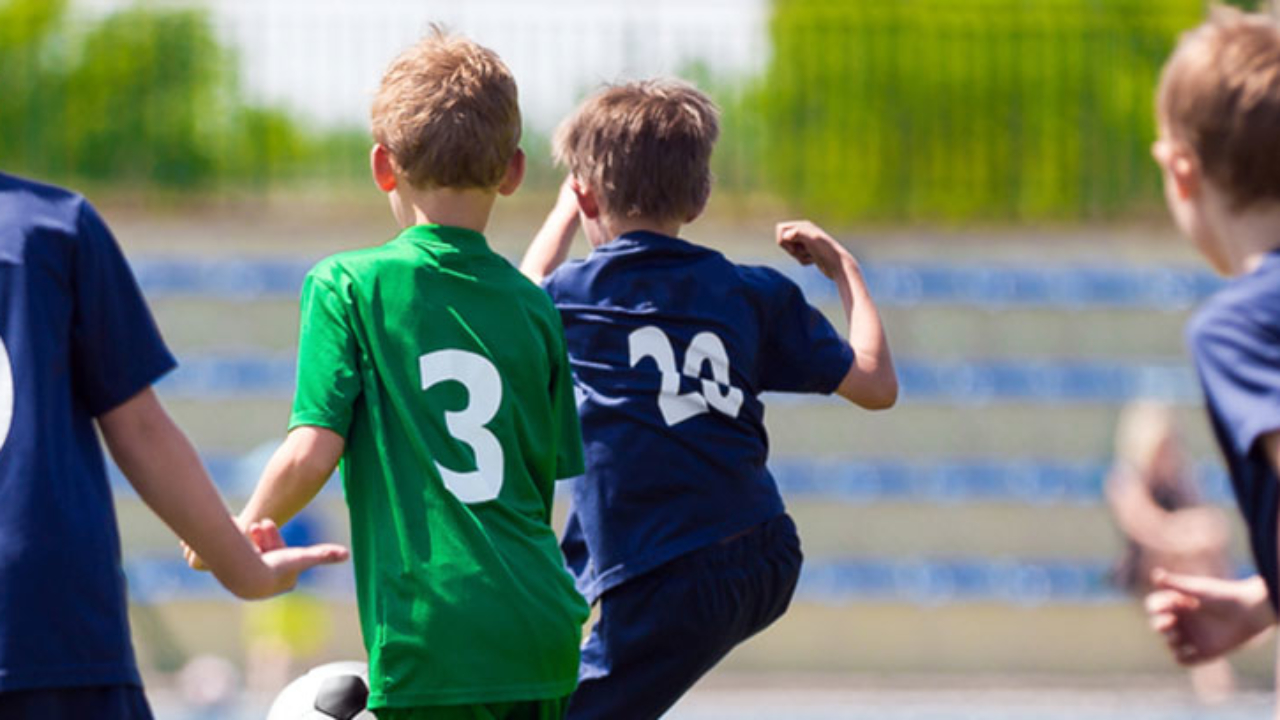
x=447, y=110
x=1220, y=94
x=644, y=148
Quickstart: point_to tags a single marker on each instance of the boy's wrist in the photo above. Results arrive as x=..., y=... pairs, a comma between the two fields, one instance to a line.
x=1260, y=613
x=565, y=212
x=847, y=265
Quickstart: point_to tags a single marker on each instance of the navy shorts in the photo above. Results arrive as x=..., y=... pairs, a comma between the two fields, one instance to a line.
x=108, y=702
x=660, y=632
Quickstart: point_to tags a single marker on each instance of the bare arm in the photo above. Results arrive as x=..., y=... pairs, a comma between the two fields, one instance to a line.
x=550, y=247
x=1186, y=530
x=295, y=473
x=1203, y=618
x=164, y=468
x=871, y=381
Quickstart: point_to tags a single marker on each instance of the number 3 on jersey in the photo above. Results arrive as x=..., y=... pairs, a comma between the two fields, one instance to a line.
x=705, y=348
x=484, y=396
x=6, y=394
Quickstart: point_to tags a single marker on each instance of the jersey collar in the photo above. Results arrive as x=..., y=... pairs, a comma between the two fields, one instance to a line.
x=640, y=240
x=446, y=237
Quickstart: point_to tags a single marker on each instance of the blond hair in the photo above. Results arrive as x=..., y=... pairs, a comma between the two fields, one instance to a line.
x=1220, y=94
x=447, y=110
x=644, y=148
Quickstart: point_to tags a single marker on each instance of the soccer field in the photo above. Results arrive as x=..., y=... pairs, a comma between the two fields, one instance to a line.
x=961, y=534
x=735, y=701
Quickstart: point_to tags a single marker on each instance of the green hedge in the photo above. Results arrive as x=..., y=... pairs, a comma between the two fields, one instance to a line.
x=146, y=98
x=963, y=109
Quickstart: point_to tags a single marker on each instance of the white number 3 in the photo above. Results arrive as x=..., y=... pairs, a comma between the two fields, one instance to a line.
x=705, y=348
x=6, y=394
x=484, y=390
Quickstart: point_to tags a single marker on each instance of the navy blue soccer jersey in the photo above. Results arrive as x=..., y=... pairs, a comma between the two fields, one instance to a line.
x=76, y=340
x=1235, y=339
x=671, y=345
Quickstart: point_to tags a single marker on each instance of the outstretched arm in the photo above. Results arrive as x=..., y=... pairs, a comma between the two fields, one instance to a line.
x=550, y=247
x=1203, y=618
x=871, y=382
x=164, y=468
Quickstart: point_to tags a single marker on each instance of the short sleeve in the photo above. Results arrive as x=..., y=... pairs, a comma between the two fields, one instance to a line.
x=117, y=350
x=564, y=408
x=328, y=361
x=800, y=350
x=1239, y=366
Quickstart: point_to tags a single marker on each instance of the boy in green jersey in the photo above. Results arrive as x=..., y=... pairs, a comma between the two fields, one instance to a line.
x=437, y=374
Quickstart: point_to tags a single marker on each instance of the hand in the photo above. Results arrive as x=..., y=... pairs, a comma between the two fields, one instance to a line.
x=1203, y=618
x=287, y=563
x=567, y=200
x=811, y=245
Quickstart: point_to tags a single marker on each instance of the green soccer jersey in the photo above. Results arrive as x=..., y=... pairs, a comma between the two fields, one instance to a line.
x=445, y=370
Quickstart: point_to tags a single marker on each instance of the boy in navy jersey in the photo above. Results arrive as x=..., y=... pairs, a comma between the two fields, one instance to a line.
x=78, y=345
x=677, y=527
x=1219, y=149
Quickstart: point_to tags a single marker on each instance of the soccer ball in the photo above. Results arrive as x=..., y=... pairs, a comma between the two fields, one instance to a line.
x=338, y=691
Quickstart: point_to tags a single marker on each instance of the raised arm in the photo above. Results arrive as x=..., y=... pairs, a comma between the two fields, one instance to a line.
x=165, y=470
x=550, y=247
x=871, y=382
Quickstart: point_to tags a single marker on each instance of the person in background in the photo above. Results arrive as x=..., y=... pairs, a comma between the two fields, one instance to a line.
x=1155, y=502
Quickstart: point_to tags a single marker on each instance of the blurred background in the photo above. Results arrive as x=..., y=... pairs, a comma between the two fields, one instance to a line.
x=988, y=162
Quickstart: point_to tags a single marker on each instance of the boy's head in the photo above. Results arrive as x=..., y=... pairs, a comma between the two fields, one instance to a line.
x=447, y=116
x=642, y=150
x=1218, y=108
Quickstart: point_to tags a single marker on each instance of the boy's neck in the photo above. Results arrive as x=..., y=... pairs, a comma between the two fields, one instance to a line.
x=619, y=227
x=1248, y=236
x=468, y=209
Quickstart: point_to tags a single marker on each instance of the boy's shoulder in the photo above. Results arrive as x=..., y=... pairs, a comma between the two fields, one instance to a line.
x=1238, y=328
x=670, y=257
x=1251, y=301
x=26, y=203
x=361, y=265
x=348, y=262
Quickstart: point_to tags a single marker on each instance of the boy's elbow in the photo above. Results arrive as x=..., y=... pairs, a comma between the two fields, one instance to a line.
x=874, y=392
x=883, y=396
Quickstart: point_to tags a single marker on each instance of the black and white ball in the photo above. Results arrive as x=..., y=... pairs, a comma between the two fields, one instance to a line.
x=337, y=691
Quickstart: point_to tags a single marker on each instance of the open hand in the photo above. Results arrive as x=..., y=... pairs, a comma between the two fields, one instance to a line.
x=1203, y=618
x=285, y=562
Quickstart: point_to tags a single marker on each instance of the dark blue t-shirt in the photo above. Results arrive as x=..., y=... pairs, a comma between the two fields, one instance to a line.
x=1235, y=339
x=76, y=340
x=671, y=345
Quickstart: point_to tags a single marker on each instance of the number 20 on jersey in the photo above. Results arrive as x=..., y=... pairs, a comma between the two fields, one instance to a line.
x=717, y=392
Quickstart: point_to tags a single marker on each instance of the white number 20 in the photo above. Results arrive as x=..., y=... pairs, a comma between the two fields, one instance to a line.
x=6, y=394
x=484, y=390
x=705, y=348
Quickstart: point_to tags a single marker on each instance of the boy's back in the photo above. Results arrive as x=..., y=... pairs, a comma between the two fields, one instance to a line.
x=75, y=340
x=442, y=366
x=673, y=344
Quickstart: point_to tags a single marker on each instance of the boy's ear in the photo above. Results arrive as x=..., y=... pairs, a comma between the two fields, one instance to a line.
x=587, y=202
x=515, y=173
x=383, y=168
x=1183, y=167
